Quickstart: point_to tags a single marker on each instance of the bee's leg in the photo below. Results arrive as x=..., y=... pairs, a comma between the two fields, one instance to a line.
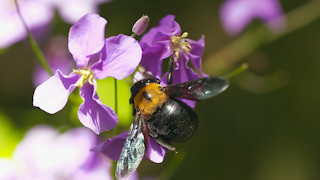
x=170, y=69
x=165, y=143
x=152, y=132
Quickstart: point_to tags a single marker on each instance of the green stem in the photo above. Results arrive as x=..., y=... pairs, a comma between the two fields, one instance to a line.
x=229, y=56
x=114, y=167
x=237, y=71
x=33, y=43
x=115, y=130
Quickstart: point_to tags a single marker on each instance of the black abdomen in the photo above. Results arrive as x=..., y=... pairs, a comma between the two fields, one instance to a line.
x=175, y=121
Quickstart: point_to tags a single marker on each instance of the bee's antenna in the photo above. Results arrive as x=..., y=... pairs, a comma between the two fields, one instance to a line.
x=134, y=79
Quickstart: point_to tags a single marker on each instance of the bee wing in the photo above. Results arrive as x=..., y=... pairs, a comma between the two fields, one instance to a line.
x=132, y=151
x=199, y=89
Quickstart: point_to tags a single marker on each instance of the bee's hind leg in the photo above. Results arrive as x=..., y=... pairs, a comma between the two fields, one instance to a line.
x=165, y=143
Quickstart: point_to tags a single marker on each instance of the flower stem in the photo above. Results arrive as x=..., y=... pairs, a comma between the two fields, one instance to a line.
x=226, y=58
x=33, y=43
x=237, y=71
x=115, y=130
x=114, y=167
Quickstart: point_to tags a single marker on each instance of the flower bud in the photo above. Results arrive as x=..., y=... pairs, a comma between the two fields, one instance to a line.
x=141, y=25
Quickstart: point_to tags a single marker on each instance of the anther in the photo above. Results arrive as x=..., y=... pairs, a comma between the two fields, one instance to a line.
x=86, y=75
x=180, y=42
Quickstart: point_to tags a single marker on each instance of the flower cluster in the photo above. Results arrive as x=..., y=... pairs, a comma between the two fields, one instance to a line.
x=161, y=42
x=69, y=155
x=59, y=156
x=12, y=29
x=118, y=57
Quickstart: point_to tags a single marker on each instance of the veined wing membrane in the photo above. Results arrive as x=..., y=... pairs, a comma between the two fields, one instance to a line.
x=132, y=151
x=199, y=89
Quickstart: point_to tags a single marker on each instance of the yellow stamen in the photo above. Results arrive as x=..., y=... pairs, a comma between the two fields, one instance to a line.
x=180, y=43
x=86, y=75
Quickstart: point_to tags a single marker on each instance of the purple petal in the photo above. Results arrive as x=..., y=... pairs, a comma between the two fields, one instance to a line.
x=133, y=176
x=120, y=57
x=93, y=113
x=273, y=15
x=182, y=73
x=13, y=32
x=153, y=56
x=44, y=153
x=167, y=27
x=112, y=147
x=8, y=169
x=76, y=142
x=86, y=38
x=236, y=14
x=101, y=171
x=52, y=95
x=72, y=10
x=35, y=147
x=154, y=151
x=13, y=29
x=195, y=55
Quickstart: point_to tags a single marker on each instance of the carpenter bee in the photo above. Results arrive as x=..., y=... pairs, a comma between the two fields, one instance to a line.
x=159, y=114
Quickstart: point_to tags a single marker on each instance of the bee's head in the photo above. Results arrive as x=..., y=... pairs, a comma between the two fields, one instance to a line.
x=147, y=78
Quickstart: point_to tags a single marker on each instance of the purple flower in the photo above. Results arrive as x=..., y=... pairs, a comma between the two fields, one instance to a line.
x=96, y=58
x=237, y=14
x=72, y=10
x=46, y=154
x=166, y=40
x=12, y=29
x=113, y=146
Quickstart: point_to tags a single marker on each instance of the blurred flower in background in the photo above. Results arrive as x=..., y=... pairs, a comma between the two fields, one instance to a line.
x=44, y=153
x=12, y=29
x=38, y=14
x=72, y=10
x=58, y=57
x=236, y=14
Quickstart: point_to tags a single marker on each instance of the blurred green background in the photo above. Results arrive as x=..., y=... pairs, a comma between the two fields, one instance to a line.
x=264, y=127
